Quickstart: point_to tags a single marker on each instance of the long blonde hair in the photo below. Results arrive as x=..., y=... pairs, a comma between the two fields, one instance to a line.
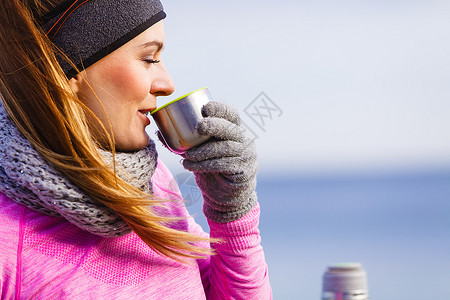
x=37, y=97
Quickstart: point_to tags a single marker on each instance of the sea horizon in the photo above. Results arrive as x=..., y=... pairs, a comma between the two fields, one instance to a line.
x=396, y=224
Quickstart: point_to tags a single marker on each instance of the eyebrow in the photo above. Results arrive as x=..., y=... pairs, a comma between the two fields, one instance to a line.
x=158, y=44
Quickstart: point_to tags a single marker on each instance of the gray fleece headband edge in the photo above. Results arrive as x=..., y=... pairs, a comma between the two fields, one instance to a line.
x=87, y=31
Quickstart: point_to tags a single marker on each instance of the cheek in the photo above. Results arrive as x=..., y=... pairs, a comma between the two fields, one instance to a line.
x=127, y=81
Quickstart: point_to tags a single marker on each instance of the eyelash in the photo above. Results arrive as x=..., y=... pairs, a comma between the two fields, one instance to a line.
x=152, y=61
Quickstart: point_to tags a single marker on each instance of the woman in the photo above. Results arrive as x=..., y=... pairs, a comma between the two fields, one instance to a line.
x=87, y=210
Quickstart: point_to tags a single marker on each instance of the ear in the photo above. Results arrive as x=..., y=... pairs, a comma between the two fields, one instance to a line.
x=75, y=83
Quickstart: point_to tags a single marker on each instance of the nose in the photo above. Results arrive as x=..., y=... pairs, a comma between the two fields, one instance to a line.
x=163, y=84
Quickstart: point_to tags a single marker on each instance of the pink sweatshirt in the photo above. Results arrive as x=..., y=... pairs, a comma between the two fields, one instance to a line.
x=43, y=257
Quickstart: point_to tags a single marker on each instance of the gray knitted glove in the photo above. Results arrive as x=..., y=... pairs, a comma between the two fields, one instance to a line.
x=225, y=167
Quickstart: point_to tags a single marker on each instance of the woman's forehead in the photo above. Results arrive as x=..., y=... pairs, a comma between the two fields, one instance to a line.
x=154, y=36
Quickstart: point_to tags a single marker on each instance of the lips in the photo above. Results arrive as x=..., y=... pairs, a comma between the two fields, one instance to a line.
x=145, y=112
x=145, y=115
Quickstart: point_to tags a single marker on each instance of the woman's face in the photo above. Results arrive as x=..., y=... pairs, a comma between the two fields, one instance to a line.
x=122, y=87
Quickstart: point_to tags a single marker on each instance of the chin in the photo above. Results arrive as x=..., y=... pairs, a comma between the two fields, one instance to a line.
x=134, y=145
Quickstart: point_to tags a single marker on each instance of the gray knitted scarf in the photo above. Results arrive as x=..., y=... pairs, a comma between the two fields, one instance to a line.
x=28, y=179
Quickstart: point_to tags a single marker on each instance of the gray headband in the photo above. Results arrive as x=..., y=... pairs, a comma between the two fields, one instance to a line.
x=88, y=30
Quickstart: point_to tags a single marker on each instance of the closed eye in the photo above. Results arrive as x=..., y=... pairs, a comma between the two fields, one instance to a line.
x=152, y=61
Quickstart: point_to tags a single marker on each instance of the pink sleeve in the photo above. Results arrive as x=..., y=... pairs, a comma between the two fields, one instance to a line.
x=239, y=269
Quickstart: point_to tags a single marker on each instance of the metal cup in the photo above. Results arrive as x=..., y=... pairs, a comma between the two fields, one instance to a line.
x=177, y=120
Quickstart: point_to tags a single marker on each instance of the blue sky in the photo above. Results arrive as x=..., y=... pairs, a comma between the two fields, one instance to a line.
x=360, y=85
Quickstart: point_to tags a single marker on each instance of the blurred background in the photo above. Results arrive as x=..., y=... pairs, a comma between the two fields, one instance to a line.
x=348, y=102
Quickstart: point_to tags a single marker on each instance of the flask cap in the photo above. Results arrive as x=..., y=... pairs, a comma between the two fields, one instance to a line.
x=344, y=277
